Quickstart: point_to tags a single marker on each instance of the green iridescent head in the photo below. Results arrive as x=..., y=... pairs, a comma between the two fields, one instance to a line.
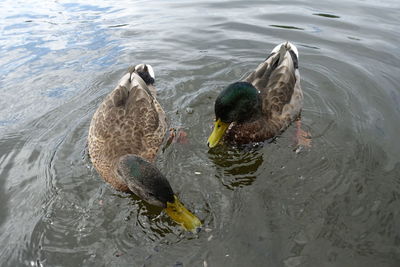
x=239, y=102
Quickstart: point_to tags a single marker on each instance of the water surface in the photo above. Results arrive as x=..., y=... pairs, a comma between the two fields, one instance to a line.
x=334, y=204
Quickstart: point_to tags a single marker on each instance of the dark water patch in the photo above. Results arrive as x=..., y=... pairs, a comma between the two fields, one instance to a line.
x=118, y=25
x=287, y=27
x=326, y=15
x=311, y=47
x=353, y=38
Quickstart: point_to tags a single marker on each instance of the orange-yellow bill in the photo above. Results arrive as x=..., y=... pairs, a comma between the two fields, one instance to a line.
x=217, y=134
x=181, y=215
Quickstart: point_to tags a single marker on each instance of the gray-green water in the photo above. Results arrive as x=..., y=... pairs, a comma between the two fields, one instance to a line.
x=335, y=204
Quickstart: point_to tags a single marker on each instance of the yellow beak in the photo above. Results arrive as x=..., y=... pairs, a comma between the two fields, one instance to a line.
x=217, y=134
x=181, y=215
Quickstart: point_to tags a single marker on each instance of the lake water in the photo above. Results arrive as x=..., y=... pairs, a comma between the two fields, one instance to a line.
x=334, y=204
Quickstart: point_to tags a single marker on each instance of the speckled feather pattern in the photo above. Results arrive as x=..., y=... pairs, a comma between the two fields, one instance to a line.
x=278, y=81
x=130, y=120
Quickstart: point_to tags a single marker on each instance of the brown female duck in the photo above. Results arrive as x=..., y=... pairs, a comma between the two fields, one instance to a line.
x=125, y=135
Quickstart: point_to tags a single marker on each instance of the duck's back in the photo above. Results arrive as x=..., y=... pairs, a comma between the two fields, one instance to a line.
x=128, y=121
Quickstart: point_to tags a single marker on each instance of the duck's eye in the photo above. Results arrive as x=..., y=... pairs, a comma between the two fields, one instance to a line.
x=218, y=126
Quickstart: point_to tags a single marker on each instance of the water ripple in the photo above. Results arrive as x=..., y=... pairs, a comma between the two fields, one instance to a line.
x=335, y=202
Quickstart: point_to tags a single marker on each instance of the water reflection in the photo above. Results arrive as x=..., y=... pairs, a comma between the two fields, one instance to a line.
x=236, y=167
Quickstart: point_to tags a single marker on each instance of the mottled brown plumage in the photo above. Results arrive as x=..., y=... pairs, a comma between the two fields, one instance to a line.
x=128, y=121
x=125, y=134
x=278, y=81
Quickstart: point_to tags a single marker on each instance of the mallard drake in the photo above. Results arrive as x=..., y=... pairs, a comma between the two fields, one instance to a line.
x=125, y=135
x=263, y=104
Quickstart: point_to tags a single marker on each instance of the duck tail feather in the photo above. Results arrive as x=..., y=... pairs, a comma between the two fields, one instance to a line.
x=145, y=71
x=261, y=76
x=282, y=48
x=288, y=46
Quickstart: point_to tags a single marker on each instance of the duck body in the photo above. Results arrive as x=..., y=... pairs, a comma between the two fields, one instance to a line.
x=129, y=121
x=279, y=101
x=125, y=134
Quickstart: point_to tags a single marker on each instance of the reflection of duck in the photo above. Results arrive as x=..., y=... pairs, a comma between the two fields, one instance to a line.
x=263, y=104
x=124, y=136
x=236, y=167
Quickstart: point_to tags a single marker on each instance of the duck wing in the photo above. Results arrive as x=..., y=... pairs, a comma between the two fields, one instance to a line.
x=130, y=120
x=278, y=81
